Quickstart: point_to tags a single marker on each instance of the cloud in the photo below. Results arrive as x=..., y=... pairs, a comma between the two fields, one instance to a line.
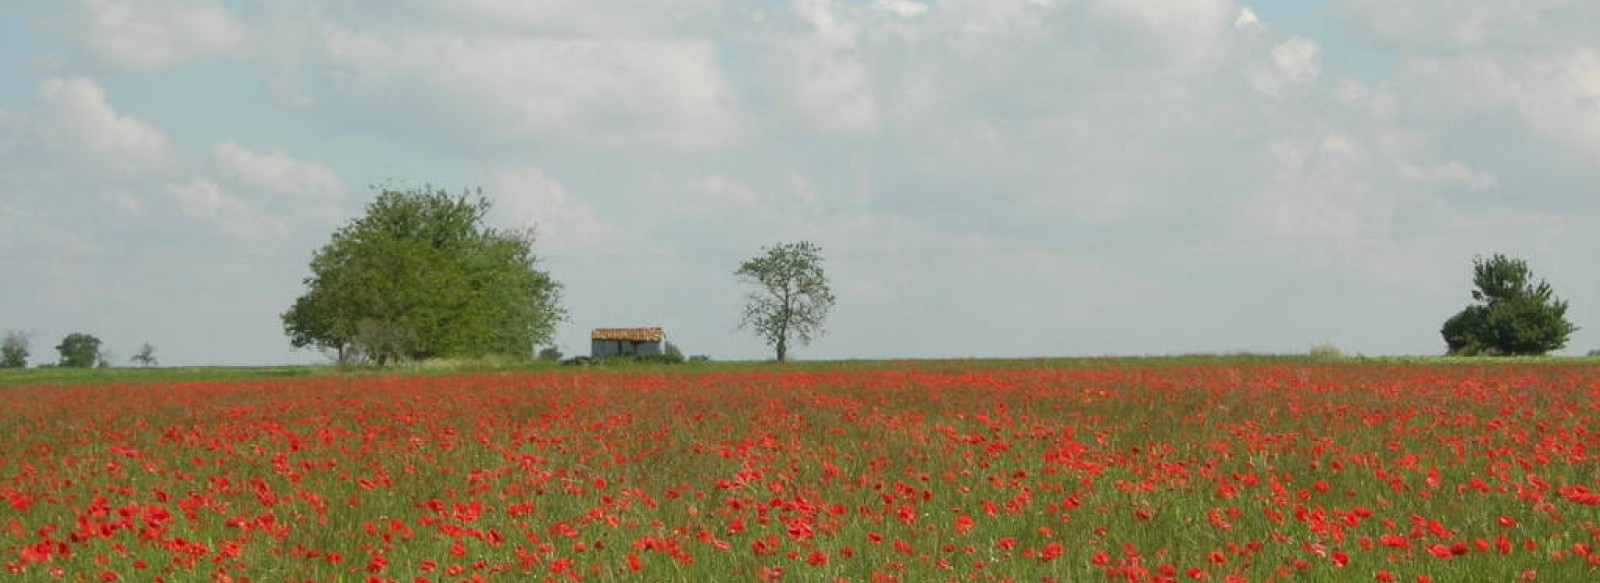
x=717, y=190
x=1321, y=191
x=788, y=200
x=1035, y=173
x=1294, y=64
x=564, y=222
x=820, y=70
x=275, y=171
x=1473, y=23
x=904, y=8
x=155, y=34
x=1452, y=172
x=303, y=188
x=1556, y=95
x=1247, y=19
x=660, y=92
x=205, y=201
x=565, y=17
x=75, y=117
x=1184, y=28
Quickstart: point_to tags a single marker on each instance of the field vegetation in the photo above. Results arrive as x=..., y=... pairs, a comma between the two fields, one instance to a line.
x=1183, y=469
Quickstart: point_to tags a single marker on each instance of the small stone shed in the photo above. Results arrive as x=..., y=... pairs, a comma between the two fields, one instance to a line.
x=606, y=342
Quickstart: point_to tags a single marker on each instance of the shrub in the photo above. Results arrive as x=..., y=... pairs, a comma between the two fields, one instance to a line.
x=79, y=350
x=1511, y=316
x=1326, y=351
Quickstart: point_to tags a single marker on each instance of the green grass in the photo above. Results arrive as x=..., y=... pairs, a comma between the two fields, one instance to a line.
x=120, y=375
x=142, y=375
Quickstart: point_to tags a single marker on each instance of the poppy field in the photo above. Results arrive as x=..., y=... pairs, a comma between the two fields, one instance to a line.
x=1115, y=471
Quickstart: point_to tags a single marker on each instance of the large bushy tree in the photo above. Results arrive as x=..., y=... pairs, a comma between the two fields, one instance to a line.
x=1512, y=315
x=791, y=298
x=421, y=276
x=79, y=350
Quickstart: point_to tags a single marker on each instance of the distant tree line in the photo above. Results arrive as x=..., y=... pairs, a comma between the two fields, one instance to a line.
x=421, y=276
x=76, y=350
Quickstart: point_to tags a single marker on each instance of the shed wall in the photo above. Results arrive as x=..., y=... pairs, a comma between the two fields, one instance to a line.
x=607, y=348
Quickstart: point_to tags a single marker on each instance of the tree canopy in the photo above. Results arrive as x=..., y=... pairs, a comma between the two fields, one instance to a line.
x=14, y=349
x=79, y=350
x=791, y=299
x=421, y=276
x=1512, y=315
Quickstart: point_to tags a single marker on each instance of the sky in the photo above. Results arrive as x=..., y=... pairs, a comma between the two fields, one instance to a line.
x=987, y=178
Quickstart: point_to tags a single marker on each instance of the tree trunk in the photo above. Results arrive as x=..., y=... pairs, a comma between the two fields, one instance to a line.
x=783, y=349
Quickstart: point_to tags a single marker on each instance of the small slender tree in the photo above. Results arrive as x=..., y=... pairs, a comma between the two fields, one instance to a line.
x=1513, y=316
x=146, y=356
x=791, y=298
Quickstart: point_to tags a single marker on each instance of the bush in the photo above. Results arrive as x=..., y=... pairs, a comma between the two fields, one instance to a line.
x=1511, y=316
x=1326, y=352
x=79, y=350
x=551, y=354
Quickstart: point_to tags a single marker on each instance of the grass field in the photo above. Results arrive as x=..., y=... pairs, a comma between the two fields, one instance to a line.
x=1186, y=469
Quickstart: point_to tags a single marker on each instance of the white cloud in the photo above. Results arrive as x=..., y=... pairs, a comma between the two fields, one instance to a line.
x=76, y=117
x=1070, y=157
x=1557, y=96
x=1247, y=19
x=1294, y=64
x=280, y=174
x=1472, y=23
x=795, y=197
x=664, y=92
x=124, y=203
x=720, y=191
x=1561, y=98
x=205, y=201
x=1378, y=103
x=835, y=92
x=564, y=222
x=1186, y=28
x=1322, y=190
x=1452, y=172
x=828, y=83
x=566, y=17
x=904, y=8
x=153, y=34
x=1299, y=59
